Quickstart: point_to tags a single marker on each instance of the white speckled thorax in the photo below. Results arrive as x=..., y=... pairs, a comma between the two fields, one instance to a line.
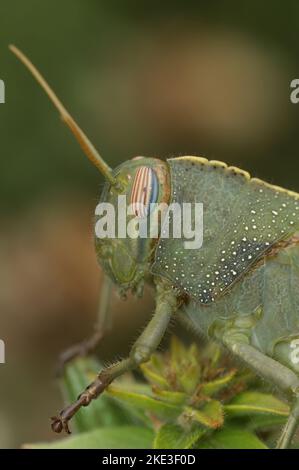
x=242, y=219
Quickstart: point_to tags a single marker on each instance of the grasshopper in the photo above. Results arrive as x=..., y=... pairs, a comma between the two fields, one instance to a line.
x=241, y=288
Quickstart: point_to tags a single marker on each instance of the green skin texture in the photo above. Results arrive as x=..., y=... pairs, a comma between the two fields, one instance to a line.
x=260, y=306
x=252, y=305
x=261, y=310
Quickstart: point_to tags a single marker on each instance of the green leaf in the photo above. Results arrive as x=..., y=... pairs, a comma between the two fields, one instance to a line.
x=176, y=398
x=172, y=436
x=256, y=402
x=264, y=421
x=120, y=437
x=152, y=376
x=189, y=377
x=101, y=412
x=231, y=437
x=210, y=415
x=144, y=402
x=157, y=362
x=214, y=386
x=177, y=350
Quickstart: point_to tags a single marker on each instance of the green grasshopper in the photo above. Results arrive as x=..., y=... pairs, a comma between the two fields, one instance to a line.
x=241, y=288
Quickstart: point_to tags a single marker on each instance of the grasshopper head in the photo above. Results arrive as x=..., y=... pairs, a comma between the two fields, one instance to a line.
x=125, y=257
x=126, y=230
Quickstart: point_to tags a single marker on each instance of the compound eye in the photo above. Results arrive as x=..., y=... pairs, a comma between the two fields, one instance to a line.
x=144, y=191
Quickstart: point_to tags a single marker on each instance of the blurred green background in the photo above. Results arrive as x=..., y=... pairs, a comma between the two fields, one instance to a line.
x=142, y=78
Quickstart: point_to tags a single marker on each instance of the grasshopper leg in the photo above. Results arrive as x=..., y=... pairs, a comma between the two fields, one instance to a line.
x=290, y=427
x=102, y=326
x=284, y=378
x=141, y=351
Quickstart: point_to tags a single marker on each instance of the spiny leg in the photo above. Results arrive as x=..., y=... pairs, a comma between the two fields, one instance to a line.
x=276, y=373
x=146, y=344
x=101, y=327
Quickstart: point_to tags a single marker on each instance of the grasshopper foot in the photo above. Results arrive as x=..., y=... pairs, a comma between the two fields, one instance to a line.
x=60, y=422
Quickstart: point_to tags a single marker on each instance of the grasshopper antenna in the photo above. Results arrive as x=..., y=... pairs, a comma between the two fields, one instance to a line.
x=81, y=137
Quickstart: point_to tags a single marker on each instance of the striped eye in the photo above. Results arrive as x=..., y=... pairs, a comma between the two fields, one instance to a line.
x=144, y=191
